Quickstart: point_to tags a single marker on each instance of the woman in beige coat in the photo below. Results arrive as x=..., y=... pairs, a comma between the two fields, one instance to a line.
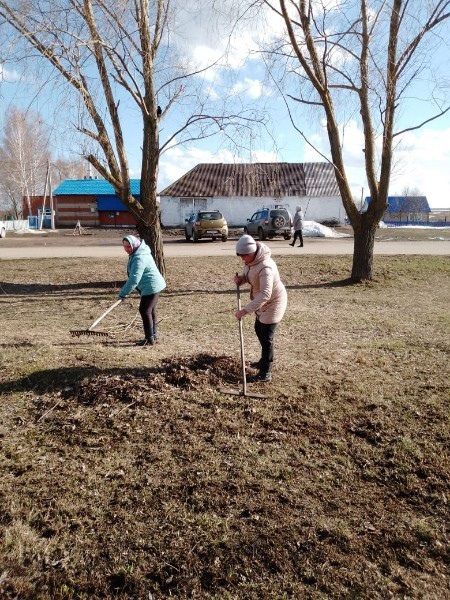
x=268, y=298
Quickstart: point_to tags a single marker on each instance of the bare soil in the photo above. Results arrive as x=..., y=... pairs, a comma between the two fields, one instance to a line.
x=127, y=472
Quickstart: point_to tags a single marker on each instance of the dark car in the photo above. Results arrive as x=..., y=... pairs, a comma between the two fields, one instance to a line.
x=270, y=222
x=206, y=223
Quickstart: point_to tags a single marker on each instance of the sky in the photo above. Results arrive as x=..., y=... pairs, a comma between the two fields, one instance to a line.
x=202, y=35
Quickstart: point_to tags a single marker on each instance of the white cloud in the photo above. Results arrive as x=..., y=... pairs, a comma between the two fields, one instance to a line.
x=7, y=75
x=179, y=160
x=254, y=88
x=211, y=59
x=227, y=54
x=228, y=33
x=264, y=156
x=421, y=160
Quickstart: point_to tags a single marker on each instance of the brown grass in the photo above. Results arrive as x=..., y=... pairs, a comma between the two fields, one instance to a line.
x=127, y=473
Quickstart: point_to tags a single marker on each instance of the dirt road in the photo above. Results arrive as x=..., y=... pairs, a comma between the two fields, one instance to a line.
x=71, y=246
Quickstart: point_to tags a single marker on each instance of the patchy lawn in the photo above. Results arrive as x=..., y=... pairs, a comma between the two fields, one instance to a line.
x=126, y=472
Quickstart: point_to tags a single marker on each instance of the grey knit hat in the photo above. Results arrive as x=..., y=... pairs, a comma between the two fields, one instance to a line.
x=246, y=245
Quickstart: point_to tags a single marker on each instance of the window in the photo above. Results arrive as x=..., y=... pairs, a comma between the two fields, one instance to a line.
x=210, y=216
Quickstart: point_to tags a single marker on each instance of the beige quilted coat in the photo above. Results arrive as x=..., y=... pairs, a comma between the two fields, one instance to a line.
x=268, y=296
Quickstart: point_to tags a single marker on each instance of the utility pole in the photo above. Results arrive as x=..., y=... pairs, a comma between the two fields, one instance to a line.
x=52, y=212
x=45, y=196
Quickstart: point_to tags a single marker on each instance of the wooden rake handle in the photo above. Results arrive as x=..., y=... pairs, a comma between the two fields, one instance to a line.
x=241, y=339
x=107, y=311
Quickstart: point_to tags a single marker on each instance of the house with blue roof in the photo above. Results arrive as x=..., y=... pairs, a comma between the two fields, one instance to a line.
x=404, y=210
x=92, y=202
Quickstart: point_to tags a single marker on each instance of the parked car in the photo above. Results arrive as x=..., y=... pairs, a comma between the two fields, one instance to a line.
x=270, y=222
x=2, y=229
x=206, y=223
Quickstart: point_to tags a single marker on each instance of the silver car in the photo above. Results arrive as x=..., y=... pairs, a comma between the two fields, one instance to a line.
x=270, y=222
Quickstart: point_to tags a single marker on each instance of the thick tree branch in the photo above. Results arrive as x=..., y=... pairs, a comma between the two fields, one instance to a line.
x=369, y=149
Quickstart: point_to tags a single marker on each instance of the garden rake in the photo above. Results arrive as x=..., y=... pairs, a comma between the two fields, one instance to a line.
x=242, y=392
x=90, y=330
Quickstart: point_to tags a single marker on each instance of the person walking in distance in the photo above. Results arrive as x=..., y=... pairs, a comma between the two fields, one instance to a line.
x=298, y=226
x=144, y=276
x=268, y=299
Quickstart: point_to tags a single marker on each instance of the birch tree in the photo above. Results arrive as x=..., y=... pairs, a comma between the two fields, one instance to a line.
x=69, y=168
x=23, y=158
x=116, y=53
x=365, y=58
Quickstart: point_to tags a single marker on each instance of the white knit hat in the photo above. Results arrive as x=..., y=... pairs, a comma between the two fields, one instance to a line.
x=246, y=245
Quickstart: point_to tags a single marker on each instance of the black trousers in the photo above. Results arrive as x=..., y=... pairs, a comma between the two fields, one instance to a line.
x=265, y=334
x=147, y=309
x=298, y=235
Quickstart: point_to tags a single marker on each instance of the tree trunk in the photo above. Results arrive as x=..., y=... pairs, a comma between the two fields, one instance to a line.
x=153, y=237
x=364, y=240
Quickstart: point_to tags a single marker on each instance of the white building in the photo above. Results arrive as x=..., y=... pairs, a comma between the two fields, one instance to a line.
x=238, y=190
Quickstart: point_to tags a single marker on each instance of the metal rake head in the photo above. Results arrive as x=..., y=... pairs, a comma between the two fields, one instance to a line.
x=79, y=332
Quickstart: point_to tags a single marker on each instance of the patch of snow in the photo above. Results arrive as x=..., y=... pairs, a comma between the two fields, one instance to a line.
x=382, y=225
x=314, y=229
x=418, y=227
x=32, y=231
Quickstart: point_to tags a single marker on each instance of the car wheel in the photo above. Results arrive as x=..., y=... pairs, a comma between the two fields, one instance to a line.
x=261, y=234
x=2, y=232
x=186, y=235
x=195, y=237
x=287, y=237
x=224, y=238
x=278, y=222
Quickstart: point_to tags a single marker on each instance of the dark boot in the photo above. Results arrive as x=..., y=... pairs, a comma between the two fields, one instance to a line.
x=265, y=376
x=145, y=342
x=255, y=365
x=261, y=376
x=292, y=244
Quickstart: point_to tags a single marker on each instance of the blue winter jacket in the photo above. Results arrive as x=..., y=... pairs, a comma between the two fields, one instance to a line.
x=143, y=274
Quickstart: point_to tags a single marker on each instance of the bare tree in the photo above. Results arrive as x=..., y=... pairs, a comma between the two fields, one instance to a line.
x=23, y=158
x=66, y=168
x=411, y=191
x=111, y=52
x=366, y=57
x=415, y=203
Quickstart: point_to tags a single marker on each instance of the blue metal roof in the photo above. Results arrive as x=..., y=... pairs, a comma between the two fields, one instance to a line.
x=404, y=204
x=92, y=187
x=111, y=203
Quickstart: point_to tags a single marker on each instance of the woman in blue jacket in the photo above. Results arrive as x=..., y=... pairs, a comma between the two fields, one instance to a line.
x=143, y=275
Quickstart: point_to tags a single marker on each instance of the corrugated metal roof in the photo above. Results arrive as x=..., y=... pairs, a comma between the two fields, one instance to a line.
x=256, y=179
x=405, y=204
x=92, y=187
